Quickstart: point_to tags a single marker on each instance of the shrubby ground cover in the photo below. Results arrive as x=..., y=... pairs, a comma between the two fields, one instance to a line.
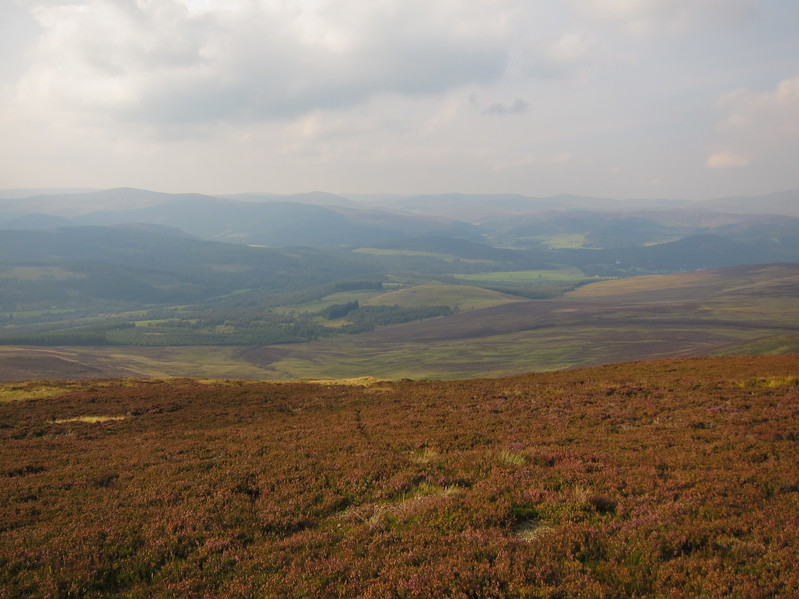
x=661, y=479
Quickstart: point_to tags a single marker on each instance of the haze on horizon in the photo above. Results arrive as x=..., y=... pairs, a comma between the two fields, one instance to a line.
x=615, y=98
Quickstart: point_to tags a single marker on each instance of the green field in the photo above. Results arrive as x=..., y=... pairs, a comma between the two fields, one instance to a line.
x=340, y=297
x=461, y=297
x=563, y=275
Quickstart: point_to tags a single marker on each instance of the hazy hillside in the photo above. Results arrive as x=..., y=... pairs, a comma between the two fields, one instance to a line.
x=274, y=224
x=74, y=267
x=36, y=222
x=72, y=203
x=648, y=479
x=504, y=220
x=479, y=208
x=784, y=202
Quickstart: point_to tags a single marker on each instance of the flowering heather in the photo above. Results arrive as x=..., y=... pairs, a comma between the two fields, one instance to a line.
x=656, y=479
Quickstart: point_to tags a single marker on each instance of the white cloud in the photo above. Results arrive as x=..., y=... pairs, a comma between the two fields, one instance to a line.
x=761, y=125
x=354, y=95
x=190, y=61
x=725, y=159
x=770, y=113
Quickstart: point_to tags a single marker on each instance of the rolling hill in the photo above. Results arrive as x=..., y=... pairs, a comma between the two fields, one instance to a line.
x=275, y=223
x=150, y=272
x=744, y=309
x=613, y=321
x=507, y=220
x=149, y=265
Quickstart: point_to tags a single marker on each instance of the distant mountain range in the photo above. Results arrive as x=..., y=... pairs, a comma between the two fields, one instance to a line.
x=767, y=223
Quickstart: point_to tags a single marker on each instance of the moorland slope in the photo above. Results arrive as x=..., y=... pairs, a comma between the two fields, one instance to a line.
x=695, y=313
x=647, y=479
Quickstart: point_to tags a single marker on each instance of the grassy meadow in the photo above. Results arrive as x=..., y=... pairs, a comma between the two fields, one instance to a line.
x=460, y=297
x=570, y=275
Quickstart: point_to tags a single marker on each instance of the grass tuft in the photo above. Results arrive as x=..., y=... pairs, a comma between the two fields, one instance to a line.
x=89, y=419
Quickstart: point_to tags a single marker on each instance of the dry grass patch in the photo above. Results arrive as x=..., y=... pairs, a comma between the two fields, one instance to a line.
x=89, y=419
x=771, y=381
x=529, y=530
x=425, y=456
x=31, y=391
x=359, y=381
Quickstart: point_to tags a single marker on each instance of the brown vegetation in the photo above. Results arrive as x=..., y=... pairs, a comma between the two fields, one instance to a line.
x=664, y=479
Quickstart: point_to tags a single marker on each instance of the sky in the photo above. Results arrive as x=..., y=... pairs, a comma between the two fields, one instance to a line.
x=688, y=99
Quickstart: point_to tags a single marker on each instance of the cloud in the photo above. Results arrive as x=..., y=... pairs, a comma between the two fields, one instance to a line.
x=518, y=107
x=644, y=16
x=351, y=95
x=761, y=124
x=172, y=61
x=769, y=113
x=572, y=47
x=725, y=159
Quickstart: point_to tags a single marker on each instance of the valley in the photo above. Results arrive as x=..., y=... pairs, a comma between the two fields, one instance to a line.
x=722, y=311
x=190, y=285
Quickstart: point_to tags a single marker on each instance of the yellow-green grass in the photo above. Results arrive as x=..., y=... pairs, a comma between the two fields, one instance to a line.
x=41, y=389
x=566, y=240
x=160, y=321
x=192, y=361
x=361, y=381
x=772, y=382
x=562, y=275
x=340, y=297
x=31, y=390
x=89, y=419
x=462, y=297
x=408, y=279
x=382, y=252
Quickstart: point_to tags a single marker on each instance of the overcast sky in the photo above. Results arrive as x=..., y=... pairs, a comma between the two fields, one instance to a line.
x=617, y=98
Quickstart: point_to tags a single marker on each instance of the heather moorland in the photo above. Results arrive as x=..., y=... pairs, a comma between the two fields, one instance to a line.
x=664, y=479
